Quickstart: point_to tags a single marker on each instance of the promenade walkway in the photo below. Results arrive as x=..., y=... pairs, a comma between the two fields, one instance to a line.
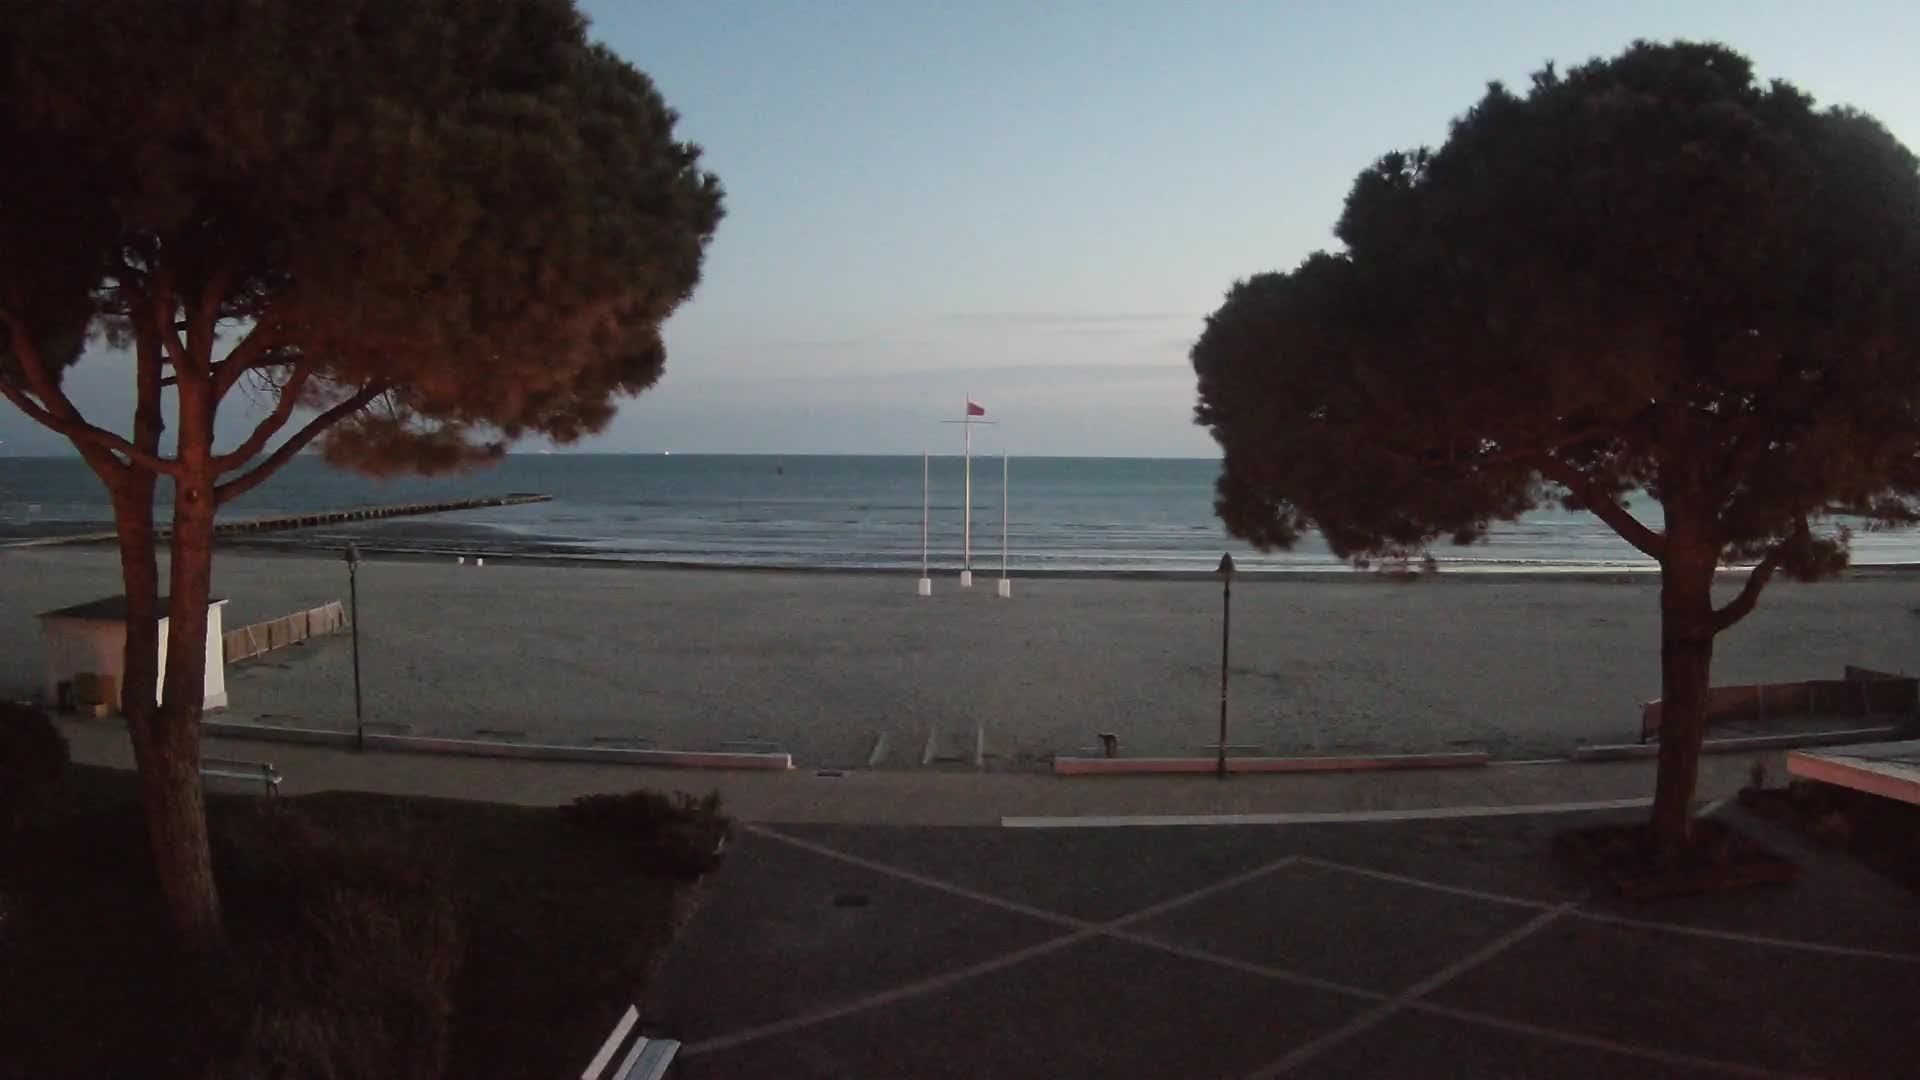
x=1381, y=924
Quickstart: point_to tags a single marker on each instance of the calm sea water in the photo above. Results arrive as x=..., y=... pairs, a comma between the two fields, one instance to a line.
x=1085, y=514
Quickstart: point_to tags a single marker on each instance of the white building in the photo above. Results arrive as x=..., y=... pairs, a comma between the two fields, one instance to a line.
x=91, y=639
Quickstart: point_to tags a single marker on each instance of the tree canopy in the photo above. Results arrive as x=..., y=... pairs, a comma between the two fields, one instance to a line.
x=1652, y=273
x=459, y=209
x=424, y=228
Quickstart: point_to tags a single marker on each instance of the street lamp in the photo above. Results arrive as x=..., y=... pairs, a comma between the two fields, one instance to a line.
x=353, y=620
x=1226, y=622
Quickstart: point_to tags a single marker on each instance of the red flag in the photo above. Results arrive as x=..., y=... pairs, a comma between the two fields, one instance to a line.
x=975, y=410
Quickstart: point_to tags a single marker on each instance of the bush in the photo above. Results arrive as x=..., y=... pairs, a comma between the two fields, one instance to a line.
x=676, y=834
x=33, y=754
x=344, y=954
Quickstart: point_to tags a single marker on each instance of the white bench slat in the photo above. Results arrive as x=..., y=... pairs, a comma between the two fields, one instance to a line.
x=612, y=1044
x=258, y=772
x=652, y=1058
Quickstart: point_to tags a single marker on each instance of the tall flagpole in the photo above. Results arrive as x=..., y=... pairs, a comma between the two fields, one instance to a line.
x=1006, y=587
x=966, y=513
x=926, y=583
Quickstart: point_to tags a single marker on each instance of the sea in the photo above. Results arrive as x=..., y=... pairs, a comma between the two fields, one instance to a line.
x=1061, y=514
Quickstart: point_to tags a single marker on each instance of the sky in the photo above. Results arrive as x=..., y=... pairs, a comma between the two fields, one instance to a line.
x=1038, y=204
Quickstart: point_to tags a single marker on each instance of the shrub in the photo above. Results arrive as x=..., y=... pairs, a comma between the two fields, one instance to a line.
x=344, y=954
x=33, y=754
x=676, y=834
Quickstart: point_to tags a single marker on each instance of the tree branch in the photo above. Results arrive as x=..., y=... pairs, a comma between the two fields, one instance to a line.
x=1616, y=516
x=1739, y=607
x=248, y=480
x=250, y=354
x=265, y=430
x=56, y=412
x=200, y=320
x=166, y=321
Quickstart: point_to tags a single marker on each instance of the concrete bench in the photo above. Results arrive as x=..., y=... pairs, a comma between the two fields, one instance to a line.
x=255, y=772
x=646, y=1059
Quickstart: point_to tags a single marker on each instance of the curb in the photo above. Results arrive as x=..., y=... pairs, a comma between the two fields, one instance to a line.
x=1630, y=751
x=418, y=744
x=1091, y=766
x=1314, y=817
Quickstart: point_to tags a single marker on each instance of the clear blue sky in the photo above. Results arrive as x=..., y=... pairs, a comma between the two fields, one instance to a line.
x=1038, y=203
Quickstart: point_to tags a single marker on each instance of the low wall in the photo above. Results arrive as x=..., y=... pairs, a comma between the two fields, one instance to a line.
x=1860, y=693
x=263, y=637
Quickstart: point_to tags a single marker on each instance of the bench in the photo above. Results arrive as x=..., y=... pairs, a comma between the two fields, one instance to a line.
x=254, y=772
x=646, y=1059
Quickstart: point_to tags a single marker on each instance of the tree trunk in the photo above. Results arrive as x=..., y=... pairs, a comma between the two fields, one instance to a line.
x=176, y=810
x=140, y=581
x=1686, y=661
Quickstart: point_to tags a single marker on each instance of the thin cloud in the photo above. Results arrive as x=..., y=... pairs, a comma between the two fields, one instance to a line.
x=1083, y=320
x=1029, y=372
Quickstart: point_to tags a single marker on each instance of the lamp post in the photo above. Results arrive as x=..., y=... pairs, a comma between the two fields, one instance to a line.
x=353, y=617
x=1226, y=623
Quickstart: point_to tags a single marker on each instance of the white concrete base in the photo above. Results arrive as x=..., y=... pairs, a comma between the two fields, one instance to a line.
x=1006, y=589
x=926, y=586
x=478, y=561
x=966, y=579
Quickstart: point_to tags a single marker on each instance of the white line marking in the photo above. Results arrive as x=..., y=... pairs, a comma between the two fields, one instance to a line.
x=1402, y=879
x=1752, y=939
x=887, y=997
x=1623, y=920
x=1083, y=930
x=1249, y=966
x=1468, y=1016
x=1317, y=817
x=1184, y=899
x=1055, y=918
x=1372, y=1017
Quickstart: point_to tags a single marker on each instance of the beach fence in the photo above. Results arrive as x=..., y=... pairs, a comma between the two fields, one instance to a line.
x=1859, y=692
x=263, y=637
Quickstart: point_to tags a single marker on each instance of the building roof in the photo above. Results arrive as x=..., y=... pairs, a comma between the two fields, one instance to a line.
x=109, y=609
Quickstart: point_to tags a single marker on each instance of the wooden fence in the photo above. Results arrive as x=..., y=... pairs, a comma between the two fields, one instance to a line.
x=263, y=637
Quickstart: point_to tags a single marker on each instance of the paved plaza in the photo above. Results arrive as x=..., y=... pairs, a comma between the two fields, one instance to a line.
x=1428, y=948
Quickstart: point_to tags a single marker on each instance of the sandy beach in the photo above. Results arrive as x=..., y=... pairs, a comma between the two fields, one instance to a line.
x=822, y=665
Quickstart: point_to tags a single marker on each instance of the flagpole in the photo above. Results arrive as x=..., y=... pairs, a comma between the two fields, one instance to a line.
x=926, y=505
x=1006, y=587
x=966, y=512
